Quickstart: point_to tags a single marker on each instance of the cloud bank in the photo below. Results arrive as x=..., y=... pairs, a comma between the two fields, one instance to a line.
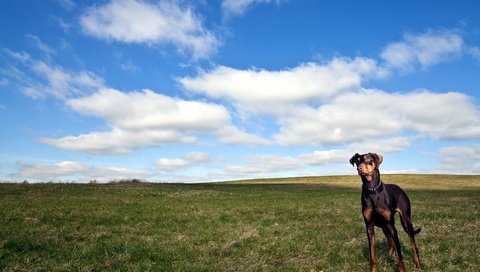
x=74, y=171
x=188, y=160
x=373, y=113
x=269, y=91
x=326, y=104
x=145, y=118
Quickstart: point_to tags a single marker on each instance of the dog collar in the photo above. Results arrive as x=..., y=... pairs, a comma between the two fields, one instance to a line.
x=376, y=188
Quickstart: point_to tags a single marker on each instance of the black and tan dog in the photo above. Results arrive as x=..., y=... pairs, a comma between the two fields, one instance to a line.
x=380, y=202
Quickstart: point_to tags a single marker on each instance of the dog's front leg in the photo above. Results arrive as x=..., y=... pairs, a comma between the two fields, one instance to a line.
x=371, y=243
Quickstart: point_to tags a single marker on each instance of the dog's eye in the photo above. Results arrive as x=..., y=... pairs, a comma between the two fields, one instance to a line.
x=368, y=160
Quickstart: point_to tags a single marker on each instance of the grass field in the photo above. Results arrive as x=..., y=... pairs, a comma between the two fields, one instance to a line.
x=301, y=224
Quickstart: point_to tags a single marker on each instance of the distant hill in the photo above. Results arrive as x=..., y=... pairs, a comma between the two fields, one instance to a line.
x=407, y=181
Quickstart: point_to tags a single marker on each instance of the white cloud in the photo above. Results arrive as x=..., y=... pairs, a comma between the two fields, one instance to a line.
x=62, y=84
x=382, y=145
x=118, y=141
x=271, y=91
x=68, y=170
x=425, y=49
x=130, y=66
x=372, y=114
x=66, y=26
x=4, y=82
x=66, y=4
x=460, y=159
x=263, y=164
x=149, y=110
x=145, y=118
x=49, y=170
x=238, y=7
x=188, y=160
x=47, y=50
x=136, y=21
x=39, y=79
x=475, y=53
x=19, y=56
x=230, y=134
x=171, y=164
x=324, y=157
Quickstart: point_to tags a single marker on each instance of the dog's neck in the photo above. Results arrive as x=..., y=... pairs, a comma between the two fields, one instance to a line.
x=372, y=180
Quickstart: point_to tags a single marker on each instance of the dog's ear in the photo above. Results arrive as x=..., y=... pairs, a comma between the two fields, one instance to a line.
x=354, y=159
x=378, y=159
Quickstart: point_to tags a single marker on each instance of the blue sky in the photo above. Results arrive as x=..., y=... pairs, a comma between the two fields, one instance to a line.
x=189, y=91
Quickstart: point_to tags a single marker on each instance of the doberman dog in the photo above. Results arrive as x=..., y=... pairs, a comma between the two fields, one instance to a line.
x=380, y=202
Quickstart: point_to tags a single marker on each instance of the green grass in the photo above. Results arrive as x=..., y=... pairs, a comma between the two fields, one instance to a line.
x=301, y=224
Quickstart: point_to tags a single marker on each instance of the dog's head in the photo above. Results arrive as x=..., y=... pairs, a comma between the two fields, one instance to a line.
x=366, y=163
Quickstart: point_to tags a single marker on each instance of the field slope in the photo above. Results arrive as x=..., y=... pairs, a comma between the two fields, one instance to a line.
x=297, y=224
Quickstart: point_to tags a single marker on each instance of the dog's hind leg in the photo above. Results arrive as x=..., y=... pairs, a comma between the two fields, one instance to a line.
x=407, y=225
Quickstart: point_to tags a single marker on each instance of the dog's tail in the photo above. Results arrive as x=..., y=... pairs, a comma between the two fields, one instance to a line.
x=407, y=223
x=417, y=231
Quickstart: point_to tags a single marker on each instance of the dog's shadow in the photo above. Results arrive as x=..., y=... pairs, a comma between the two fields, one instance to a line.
x=382, y=255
